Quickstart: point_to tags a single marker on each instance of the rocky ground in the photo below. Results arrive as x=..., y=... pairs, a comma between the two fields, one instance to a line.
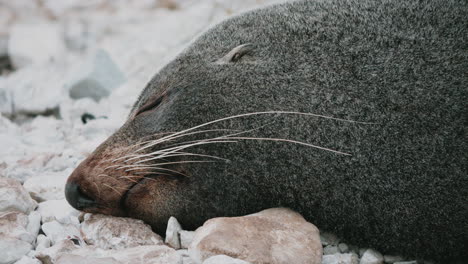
x=70, y=71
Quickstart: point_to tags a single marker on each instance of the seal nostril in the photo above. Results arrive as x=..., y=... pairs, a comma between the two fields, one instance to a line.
x=77, y=198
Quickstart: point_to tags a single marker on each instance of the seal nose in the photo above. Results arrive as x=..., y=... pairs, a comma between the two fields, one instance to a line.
x=76, y=197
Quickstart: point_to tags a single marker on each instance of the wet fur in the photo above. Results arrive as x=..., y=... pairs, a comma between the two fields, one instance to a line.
x=400, y=65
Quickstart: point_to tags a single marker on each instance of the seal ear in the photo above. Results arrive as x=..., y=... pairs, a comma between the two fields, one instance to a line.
x=235, y=54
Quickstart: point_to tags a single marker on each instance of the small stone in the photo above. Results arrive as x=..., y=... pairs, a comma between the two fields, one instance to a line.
x=329, y=239
x=72, y=258
x=28, y=260
x=96, y=78
x=14, y=197
x=273, y=236
x=223, y=259
x=12, y=249
x=392, y=259
x=34, y=223
x=343, y=248
x=406, y=262
x=349, y=258
x=186, y=238
x=48, y=187
x=371, y=256
x=108, y=232
x=34, y=43
x=330, y=250
x=42, y=242
x=172, y=233
x=57, y=232
x=59, y=210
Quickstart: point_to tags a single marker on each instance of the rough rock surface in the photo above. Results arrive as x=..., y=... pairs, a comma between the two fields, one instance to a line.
x=13, y=197
x=172, y=233
x=371, y=256
x=273, y=236
x=109, y=232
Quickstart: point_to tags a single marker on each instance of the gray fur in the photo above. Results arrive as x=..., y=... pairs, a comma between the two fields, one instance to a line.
x=399, y=64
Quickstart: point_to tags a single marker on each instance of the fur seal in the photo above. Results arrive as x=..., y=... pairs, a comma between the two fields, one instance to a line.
x=352, y=113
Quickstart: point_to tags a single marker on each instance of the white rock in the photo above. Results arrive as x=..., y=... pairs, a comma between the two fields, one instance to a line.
x=28, y=260
x=48, y=187
x=34, y=223
x=42, y=242
x=273, y=236
x=186, y=238
x=14, y=197
x=59, y=210
x=12, y=249
x=407, y=262
x=172, y=233
x=109, y=232
x=57, y=232
x=34, y=43
x=96, y=78
x=337, y=258
x=371, y=256
x=6, y=99
x=66, y=252
x=36, y=88
x=223, y=259
x=14, y=225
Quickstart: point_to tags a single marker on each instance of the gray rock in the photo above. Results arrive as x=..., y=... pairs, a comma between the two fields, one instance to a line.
x=343, y=248
x=406, y=262
x=186, y=238
x=14, y=197
x=96, y=78
x=392, y=259
x=223, y=259
x=329, y=239
x=330, y=250
x=172, y=233
x=34, y=44
x=349, y=258
x=371, y=256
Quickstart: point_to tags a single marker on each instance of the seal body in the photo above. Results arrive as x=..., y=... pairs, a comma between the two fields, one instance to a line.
x=352, y=113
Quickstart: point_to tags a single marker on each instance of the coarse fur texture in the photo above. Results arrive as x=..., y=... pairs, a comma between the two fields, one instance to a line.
x=398, y=68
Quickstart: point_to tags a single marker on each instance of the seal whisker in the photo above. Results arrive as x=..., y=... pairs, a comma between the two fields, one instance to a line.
x=150, y=166
x=250, y=114
x=112, y=188
x=182, y=154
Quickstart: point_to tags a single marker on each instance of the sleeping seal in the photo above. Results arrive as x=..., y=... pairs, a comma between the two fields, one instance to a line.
x=352, y=113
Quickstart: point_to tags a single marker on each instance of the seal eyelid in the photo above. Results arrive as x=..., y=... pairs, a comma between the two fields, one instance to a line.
x=235, y=54
x=151, y=104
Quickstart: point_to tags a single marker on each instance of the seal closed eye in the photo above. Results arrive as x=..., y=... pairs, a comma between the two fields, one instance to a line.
x=352, y=113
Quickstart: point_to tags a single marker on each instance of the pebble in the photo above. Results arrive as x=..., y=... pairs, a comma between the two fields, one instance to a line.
x=12, y=249
x=371, y=256
x=392, y=259
x=172, y=233
x=223, y=259
x=14, y=197
x=328, y=239
x=343, y=248
x=276, y=235
x=349, y=258
x=42, y=242
x=96, y=78
x=28, y=260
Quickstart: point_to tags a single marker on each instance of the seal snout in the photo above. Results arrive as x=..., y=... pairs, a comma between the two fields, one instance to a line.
x=76, y=197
